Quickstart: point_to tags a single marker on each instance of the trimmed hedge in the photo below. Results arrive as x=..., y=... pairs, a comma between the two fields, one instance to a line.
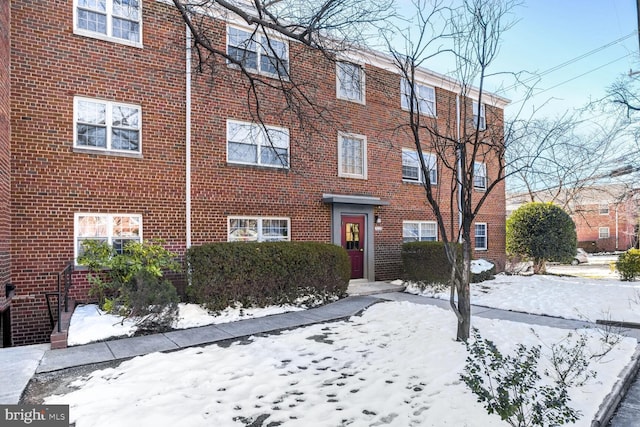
x=270, y=273
x=427, y=262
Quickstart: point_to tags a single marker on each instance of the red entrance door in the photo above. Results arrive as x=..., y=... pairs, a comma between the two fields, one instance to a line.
x=353, y=242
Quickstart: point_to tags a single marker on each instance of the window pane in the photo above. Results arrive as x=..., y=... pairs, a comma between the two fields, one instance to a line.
x=405, y=94
x=125, y=116
x=92, y=112
x=126, y=226
x=274, y=156
x=349, y=81
x=126, y=9
x=92, y=226
x=246, y=57
x=92, y=21
x=275, y=229
x=247, y=153
x=352, y=156
x=243, y=230
x=100, y=5
x=124, y=139
x=410, y=166
x=124, y=29
x=428, y=231
x=410, y=232
x=92, y=136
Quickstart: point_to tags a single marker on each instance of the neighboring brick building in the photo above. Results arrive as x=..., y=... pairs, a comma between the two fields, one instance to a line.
x=606, y=215
x=5, y=172
x=110, y=139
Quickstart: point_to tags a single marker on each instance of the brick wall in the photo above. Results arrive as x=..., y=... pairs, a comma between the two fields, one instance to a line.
x=5, y=154
x=52, y=181
x=620, y=219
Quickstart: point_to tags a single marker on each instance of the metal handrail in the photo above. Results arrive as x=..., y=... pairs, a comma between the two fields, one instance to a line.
x=64, y=277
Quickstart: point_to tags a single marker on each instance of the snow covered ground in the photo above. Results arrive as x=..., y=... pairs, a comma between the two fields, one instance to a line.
x=569, y=297
x=396, y=365
x=89, y=323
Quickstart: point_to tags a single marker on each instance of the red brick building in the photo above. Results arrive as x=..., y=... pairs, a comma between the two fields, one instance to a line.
x=112, y=139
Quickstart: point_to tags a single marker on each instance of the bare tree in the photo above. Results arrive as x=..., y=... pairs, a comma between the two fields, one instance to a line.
x=329, y=27
x=470, y=144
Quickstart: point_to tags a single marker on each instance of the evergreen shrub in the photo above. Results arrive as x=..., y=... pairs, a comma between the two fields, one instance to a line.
x=269, y=273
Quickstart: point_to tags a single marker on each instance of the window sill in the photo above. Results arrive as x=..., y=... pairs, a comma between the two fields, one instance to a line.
x=407, y=181
x=284, y=78
x=82, y=150
x=354, y=101
x=255, y=166
x=106, y=38
x=348, y=176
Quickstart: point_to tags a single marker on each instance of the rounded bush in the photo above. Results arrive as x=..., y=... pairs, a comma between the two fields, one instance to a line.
x=541, y=232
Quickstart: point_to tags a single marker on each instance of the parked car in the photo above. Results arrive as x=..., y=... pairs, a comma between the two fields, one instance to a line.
x=580, y=258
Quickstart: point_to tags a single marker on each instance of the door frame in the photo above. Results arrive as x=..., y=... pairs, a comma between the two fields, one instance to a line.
x=337, y=211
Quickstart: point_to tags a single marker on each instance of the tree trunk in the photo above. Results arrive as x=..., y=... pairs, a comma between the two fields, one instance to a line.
x=464, y=307
x=539, y=266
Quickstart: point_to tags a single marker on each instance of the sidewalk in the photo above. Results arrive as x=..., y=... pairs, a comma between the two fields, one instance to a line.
x=21, y=363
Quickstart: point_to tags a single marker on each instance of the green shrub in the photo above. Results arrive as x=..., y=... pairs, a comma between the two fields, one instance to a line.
x=484, y=275
x=511, y=386
x=130, y=284
x=628, y=265
x=270, y=273
x=426, y=262
x=541, y=232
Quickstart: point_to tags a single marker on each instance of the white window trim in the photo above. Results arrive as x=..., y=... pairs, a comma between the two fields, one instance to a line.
x=258, y=33
x=110, y=217
x=600, y=234
x=259, y=220
x=262, y=142
x=421, y=179
x=106, y=37
x=476, y=175
x=419, y=223
x=486, y=237
x=341, y=136
x=363, y=84
x=482, y=115
x=405, y=83
x=109, y=125
x=603, y=209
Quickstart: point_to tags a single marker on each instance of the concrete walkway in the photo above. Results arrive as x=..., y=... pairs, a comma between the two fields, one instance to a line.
x=19, y=364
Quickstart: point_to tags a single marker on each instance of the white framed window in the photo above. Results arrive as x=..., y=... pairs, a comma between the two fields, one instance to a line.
x=254, y=144
x=419, y=231
x=603, y=233
x=479, y=176
x=350, y=83
x=352, y=156
x=479, y=113
x=424, y=97
x=411, y=170
x=603, y=209
x=115, y=229
x=258, y=229
x=480, y=236
x=107, y=126
x=112, y=20
x=258, y=53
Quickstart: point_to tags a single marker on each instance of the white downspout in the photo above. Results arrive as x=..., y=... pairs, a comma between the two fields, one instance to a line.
x=188, y=138
x=617, y=227
x=459, y=165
